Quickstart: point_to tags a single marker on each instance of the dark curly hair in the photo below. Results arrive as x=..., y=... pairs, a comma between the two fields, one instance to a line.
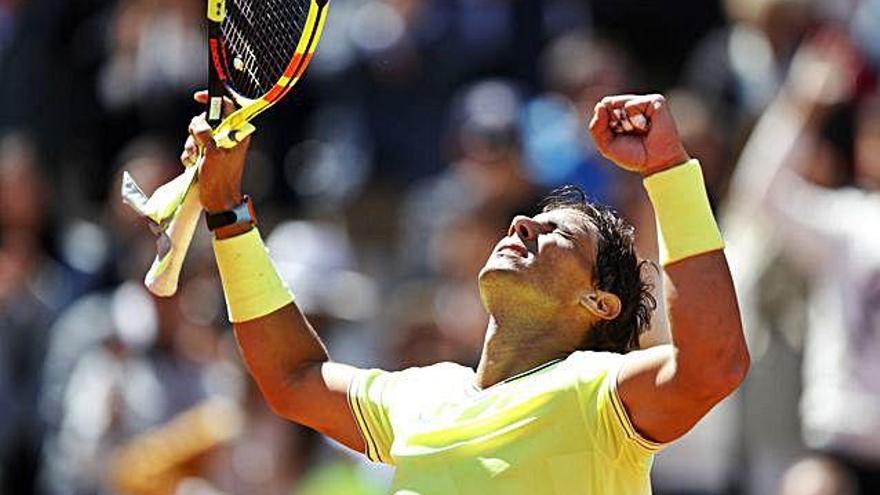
x=617, y=270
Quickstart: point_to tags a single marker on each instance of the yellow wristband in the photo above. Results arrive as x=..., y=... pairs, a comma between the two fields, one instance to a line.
x=685, y=224
x=251, y=283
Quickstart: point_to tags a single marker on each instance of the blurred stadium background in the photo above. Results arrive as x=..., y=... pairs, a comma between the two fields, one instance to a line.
x=420, y=129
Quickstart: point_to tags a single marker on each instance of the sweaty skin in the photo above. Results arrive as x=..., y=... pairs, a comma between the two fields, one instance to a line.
x=665, y=389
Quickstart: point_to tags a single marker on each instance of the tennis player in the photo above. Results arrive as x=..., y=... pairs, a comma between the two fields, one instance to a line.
x=562, y=401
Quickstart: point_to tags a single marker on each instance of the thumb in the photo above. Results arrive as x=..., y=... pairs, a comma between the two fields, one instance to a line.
x=201, y=97
x=600, y=128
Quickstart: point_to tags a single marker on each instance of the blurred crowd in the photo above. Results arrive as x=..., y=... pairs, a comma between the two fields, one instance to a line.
x=381, y=185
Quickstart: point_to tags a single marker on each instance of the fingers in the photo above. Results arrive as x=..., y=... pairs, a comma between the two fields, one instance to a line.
x=600, y=127
x=200, y=131
x=631, y=113
x=629, y=119
x=202, y=97
x=190, y=154
x=639, y=112
x=619, y=101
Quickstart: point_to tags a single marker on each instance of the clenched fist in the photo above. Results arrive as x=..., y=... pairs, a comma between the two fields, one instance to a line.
x=637, y=133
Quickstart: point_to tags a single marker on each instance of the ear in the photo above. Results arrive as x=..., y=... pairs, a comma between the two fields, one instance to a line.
x=601, y=304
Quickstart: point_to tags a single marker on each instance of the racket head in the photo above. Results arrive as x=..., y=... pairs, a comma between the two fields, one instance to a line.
x=258, y=50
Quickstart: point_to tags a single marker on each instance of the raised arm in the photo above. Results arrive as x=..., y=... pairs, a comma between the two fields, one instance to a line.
x=767, y=181
x=281, y=349
x=667, y=389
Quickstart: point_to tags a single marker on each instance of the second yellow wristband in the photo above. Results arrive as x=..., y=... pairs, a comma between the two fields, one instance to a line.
x=685, y=224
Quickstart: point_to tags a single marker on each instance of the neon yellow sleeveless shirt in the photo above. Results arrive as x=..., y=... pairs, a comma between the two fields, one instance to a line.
x=557, y=429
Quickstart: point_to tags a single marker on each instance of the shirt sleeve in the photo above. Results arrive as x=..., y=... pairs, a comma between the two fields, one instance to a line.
x=604, y=411
x=369, y=398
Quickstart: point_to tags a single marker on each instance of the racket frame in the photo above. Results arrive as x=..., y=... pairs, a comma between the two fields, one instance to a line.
x=248, y=108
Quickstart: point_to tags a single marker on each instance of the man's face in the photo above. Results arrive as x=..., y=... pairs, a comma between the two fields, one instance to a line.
x=546, y=259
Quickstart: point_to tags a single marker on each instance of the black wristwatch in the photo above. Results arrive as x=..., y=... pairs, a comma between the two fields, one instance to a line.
x=243, y=214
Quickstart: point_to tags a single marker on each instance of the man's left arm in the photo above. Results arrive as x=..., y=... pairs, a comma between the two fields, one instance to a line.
x=667, y=389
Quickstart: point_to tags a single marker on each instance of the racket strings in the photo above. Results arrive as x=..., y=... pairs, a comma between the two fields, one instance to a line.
x=260, y=38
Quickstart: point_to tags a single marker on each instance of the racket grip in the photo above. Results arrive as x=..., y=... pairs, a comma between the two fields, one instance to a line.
x=163, y=283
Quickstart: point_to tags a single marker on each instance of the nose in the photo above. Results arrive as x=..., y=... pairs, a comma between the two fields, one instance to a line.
x=526, y=228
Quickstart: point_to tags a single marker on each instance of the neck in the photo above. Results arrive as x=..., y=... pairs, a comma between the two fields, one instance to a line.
x=514, y=345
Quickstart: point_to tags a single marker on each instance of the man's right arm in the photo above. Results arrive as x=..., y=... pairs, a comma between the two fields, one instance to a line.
x=294, y=372
x=280, y=348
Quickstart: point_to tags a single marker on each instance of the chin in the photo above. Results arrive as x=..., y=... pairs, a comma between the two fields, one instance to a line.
x=495, y=268
x=504, y=263
x=496, y=279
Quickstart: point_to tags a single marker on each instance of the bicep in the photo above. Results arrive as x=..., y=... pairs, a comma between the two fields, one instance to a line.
x=293, y=370
x=318, y=396
x=659, y=402
x=667, y=389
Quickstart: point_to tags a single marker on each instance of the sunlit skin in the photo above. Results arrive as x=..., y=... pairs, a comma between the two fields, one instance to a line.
x=538, y=289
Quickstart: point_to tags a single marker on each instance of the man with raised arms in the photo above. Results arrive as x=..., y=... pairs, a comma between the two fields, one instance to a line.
x=562, y=401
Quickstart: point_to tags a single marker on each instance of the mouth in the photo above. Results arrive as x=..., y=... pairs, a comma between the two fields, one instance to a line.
x=516, y=249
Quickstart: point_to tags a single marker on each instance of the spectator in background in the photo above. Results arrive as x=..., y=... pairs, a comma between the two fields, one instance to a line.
x=414, y=55
x=119, y=360
x=577, y=71
x=156, y=50
x=739, y=68
x=790, y=171
x=341, y=300
x=8, y=14
x=817, y=476
x=32, y=289
x=487, y=176
x=863, y=25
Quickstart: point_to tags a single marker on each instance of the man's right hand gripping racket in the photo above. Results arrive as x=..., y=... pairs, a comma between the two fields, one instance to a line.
x=257, y=51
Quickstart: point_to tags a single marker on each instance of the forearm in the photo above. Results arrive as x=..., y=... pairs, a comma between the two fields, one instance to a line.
x=276, y=340
x=704, y=321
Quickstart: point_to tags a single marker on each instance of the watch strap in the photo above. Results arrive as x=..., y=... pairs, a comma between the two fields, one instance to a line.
x=243, y=213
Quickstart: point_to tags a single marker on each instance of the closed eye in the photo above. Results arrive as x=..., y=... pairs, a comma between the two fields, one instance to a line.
x=554, y=227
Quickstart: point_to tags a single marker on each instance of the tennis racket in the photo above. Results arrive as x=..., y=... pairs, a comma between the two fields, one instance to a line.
x=257, y=51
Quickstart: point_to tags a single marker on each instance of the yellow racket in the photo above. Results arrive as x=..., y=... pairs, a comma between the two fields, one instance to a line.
x=257, y=51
